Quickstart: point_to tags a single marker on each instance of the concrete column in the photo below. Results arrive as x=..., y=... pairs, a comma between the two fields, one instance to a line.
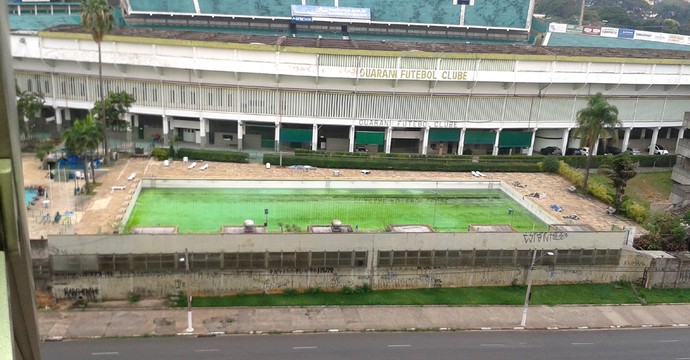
x=461, y=142
x=203, y=129
x=498, y=136
x=352, y=139
x=626, y=139
x=668, y=133
x=566, y=137
x=425, y=141
x=240, y=134
x=389, y=139
x=314, y=137
x=655, y=137
x=595, y=148
x=276, y=137
x=135, y=120
x=681, y=133
x=130, y=122
x=58, y=119
x=530, y=151
x=166, y=130
x=68, y=114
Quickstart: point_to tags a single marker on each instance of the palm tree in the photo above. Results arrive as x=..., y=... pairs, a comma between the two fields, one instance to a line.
x=97, y=19
x=83, y=138
x=598, y=119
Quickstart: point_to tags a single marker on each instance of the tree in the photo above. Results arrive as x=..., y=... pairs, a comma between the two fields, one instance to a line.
x=116, y=105
x=82, y=139
x=620, y=171
x=97, y=19
x=29, y=106
x=670, y=26
x=598, y=119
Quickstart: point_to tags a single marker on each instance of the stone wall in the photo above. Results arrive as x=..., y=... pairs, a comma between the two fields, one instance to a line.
x=120, y=286
x=668, y=272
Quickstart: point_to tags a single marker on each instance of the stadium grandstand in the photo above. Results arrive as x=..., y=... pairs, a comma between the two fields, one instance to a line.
x=431, y=77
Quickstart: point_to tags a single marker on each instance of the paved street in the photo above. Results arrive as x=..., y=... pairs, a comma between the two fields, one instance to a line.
x=151, y=317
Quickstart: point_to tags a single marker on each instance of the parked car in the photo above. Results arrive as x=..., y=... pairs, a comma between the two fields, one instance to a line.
x=660, y=150
x=609, y=150
x=551, y=150
x=361, y=149
x=584, y=150
x=632, y=151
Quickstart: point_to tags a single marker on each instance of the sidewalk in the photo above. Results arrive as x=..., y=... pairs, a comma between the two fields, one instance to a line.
x=151, y=319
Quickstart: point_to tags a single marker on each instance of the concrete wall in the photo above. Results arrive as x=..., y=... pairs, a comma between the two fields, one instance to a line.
x=668, y=272
x=114, y=286
x=156, y=244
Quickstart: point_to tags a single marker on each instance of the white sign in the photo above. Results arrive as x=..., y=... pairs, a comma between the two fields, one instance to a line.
x=609, y=32
x=559, y=28
x=413, y=74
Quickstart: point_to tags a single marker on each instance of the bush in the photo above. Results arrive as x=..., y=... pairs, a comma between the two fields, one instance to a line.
x=347, y=290
x=634, y=211
x=290, y=292
x=363, y=289
x=409, y=163
x=551, y=164
x=160, y=154
x=600, y=192
x=211, y=155
x=313, y=291
x=572, y=175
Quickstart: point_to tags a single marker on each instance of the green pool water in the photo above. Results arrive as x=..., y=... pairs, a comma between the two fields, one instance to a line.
x=206, y=210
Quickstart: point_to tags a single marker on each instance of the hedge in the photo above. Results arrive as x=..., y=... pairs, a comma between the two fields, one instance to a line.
x=160, y=153
x=373, y=163
x=644, y=160
x=211, y=155
x=429, y=158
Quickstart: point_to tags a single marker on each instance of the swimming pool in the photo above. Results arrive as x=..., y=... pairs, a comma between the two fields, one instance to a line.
x=29, y=195
x=449, y=208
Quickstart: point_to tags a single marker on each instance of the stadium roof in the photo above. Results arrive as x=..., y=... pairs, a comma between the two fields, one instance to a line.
x=484, y=13
x=504, y=51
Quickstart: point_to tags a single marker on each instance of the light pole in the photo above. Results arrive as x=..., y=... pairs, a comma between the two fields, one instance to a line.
x=528, y=295
x=185, y=260
x=266, y=219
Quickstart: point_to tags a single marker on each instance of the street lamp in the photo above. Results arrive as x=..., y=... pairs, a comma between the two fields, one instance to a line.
x=266, y=219
x=528, y=295
x=185, y=260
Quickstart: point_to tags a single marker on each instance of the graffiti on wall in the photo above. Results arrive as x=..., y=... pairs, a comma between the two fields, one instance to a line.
x=544, y=237
x=86, y=293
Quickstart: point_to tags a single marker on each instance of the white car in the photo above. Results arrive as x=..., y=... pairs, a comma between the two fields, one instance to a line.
x=632, y=151
x=660, y=150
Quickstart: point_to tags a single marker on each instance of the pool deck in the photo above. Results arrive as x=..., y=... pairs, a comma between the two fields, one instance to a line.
x=100, y=213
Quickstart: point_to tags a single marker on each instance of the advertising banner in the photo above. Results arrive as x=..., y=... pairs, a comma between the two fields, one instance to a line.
x=626, y=33
x=609, y=32
x=330, y=12
x=591, y=30
x=559, y=28
x=643, y=35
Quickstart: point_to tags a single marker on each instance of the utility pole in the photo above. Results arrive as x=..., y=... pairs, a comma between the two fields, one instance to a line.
x=582, y=12
x=189, y=328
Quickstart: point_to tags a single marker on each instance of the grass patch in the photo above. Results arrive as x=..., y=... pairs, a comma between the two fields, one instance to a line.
x=206, y=210
x=645, y=188
x=665, y=296
x=617, y=293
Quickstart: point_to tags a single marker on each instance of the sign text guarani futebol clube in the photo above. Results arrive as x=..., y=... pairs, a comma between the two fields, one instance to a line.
x=412, y=74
